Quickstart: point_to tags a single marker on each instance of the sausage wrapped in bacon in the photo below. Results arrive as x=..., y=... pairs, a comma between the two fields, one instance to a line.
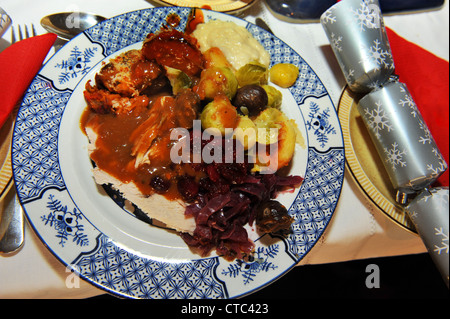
x=175, y=49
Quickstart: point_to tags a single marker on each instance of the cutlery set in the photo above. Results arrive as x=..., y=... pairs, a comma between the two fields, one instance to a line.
x=11, y=212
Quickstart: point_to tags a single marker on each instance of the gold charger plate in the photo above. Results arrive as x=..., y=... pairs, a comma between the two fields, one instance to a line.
x=6, y=179
x=228, y=6
x=365, y=164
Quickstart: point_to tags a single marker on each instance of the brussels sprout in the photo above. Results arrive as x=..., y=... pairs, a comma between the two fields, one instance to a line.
x=284, y=74
x=274, y=96
x=219, y=114
x=252, y=73
x=215, y=81
x=178, y=79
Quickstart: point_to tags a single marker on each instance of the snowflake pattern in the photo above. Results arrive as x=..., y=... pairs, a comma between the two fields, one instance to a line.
x=350, y=75
x=320, y=124
x=438, y=200
x=378, y=120
x=65, y=222
x=443, y=246
x=441, y=166
x=367, y=16
x=394, y=156
x=328, y=17
x=374, y=54
x=378, y=116
x=336, y=42
x=76, y=64
x=374, y=84
x=258, y=262
x=379, y=57
x=427, y=138
x=409, y=102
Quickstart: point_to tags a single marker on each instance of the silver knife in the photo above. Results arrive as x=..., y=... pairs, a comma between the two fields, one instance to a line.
x=11, y=223
x=262, y=24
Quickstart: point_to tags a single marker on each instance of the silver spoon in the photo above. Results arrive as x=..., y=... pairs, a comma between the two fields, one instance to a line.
x=67, y=25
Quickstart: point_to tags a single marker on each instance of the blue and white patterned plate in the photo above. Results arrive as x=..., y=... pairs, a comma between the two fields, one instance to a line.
x=89, y=232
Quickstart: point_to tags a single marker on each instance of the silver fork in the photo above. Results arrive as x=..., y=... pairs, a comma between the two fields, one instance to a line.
x=11, y=212
x=22, y=34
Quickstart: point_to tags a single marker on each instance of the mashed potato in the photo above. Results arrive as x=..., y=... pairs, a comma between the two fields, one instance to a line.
x=236, y=42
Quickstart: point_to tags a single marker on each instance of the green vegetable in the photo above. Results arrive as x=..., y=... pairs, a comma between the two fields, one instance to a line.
x=215, y=81
x=275, y=96
x=219, y=114
x=178, y=79
x=252, y=73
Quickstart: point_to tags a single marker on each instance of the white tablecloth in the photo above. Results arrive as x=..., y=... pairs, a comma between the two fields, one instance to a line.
x=358, y=229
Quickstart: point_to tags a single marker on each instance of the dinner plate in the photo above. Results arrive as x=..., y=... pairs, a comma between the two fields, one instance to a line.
x=365, y=164
x=228, y=6
x=98, y=236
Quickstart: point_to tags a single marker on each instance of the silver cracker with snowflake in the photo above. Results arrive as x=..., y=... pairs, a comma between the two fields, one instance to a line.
x=411, y=156
x=356, y=31
x=395, y=157
x=378, y=56
x=377, y=119
x=429, y=212
x=366, y=15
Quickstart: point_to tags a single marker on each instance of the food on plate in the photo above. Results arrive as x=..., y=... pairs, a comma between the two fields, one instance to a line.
x=252, y=73
x=251, y=99
x=275, y=97
x=184, y=53
x=246, y=132
x=178, y=79
x=219, y=114
x=127, y=81
x=284, y=74
x=286, y=135
x=216, y=81
x=214, y=57
x=184, y=85
x=236, y=42
x=272, y=217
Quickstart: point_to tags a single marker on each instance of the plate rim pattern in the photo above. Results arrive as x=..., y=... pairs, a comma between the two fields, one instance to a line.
x=102, y=261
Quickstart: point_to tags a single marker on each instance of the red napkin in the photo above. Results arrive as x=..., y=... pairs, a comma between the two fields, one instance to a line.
x=427, y=79
x=19, y=64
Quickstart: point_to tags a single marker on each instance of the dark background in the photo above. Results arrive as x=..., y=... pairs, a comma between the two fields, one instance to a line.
x=403, y=277
x=411, y=277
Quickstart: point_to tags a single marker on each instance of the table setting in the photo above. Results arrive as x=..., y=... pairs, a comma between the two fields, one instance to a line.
x=371, y=97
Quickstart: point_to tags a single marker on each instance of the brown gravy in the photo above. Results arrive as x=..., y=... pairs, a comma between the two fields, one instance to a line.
x=114, y=148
